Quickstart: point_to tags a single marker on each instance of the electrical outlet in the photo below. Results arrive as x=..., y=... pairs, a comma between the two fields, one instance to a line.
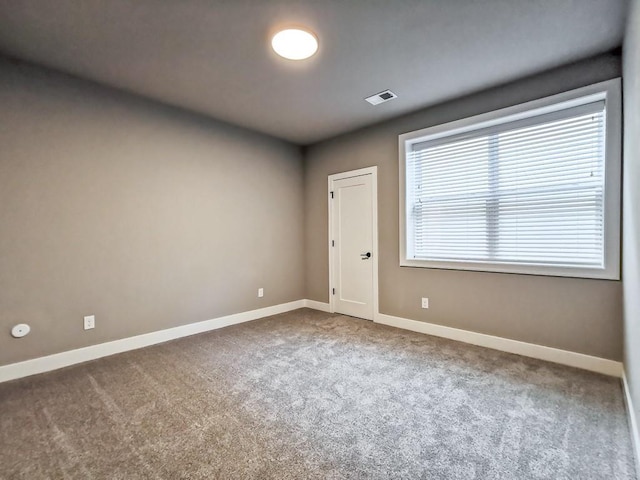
x=260, y=292
x=425, y=302
x=89, y=322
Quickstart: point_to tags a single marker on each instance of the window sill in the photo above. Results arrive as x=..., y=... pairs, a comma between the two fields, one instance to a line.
x=522, y=269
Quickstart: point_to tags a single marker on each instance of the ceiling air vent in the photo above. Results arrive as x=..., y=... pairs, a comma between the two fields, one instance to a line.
x=381, y=97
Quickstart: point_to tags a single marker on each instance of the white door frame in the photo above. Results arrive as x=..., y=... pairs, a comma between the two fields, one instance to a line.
x=373, y=171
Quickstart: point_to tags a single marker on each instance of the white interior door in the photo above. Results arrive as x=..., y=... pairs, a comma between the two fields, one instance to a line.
x=352, y=246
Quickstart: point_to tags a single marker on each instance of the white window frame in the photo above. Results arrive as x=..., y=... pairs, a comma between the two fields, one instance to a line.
x=609, y=91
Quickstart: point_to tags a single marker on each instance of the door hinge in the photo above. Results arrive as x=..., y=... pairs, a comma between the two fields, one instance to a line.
x=333, y=290
x=333, y=243
x=331, y=194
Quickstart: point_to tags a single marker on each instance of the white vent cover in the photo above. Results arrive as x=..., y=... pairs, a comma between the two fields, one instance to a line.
x=381, y=97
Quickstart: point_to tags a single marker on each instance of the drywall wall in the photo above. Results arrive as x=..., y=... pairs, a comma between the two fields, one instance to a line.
x=146, y=216
x=631, y=204
x=579, y=315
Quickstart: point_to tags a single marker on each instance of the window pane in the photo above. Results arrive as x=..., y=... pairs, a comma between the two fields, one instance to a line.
x=449, y=209
x=529, y=192
x=551, y=182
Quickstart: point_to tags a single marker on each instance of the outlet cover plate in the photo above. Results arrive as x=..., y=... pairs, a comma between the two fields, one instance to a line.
x=89, y=322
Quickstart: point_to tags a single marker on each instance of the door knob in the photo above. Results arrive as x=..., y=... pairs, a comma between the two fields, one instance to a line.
x=365, y=256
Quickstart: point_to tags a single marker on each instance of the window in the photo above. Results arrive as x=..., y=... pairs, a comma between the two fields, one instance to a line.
x=530, y=189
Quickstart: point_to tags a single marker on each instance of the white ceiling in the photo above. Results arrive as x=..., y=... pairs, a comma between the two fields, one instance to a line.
x=213, y=56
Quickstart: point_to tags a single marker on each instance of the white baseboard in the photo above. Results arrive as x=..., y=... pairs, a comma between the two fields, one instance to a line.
x=323, y=307
x=564, y=357
x=72, y=357
x=633, y=423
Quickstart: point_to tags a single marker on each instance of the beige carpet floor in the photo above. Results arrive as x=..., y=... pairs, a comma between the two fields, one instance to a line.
x=313, y=395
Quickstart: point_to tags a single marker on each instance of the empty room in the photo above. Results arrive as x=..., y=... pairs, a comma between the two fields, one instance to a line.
x=277, y=239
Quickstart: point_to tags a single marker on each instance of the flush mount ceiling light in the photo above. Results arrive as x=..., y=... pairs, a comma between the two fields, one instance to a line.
x=294, y=44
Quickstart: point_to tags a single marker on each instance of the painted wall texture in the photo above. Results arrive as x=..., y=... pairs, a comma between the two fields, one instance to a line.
x=579, y=315
x=146, y=216
x=631, y=204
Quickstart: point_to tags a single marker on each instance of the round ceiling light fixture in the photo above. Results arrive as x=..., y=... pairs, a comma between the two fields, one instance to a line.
x=294, y=43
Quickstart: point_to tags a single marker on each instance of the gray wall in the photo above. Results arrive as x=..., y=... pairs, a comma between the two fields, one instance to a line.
x=150, y=217
x=631, y=208
x=146, y=216
x=574, y=314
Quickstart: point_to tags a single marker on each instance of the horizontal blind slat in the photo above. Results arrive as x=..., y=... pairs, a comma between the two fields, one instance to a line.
x=531, y=191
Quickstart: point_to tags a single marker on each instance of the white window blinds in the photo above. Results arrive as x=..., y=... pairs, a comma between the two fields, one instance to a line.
x=525, y=192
